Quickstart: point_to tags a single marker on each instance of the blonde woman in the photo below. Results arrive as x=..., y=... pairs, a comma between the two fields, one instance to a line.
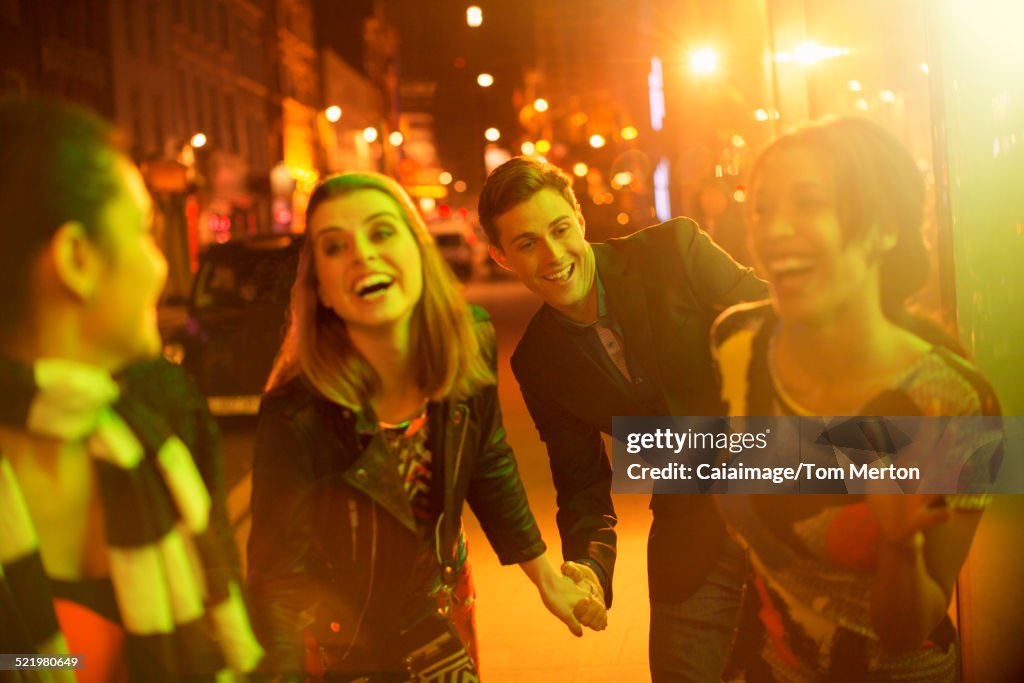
x=380, y=419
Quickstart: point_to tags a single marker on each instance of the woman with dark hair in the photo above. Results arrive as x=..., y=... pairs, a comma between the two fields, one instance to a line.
x=110, y=544
x=381, y=417
x=847, y=586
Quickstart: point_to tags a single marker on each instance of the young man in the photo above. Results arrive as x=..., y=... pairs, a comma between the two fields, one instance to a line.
x=623, y=331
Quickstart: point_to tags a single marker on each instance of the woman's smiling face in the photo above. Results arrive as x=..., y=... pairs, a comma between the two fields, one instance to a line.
x=369, y=270
x=799, y=243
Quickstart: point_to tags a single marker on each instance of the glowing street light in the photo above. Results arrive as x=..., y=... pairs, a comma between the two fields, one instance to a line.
x=333, y=113
x=370, y=134
x=543, y=146
x=474, y=16
x=492, y=134
x=485, y=80
x=396, y=138
x=761, y=114
x=703, y=61
x=528, y=148
x=597, y=141
x=580, y=169
x=854, y=86
x=445, y=178
x=629, y=133
x=198, y=140
x=540, y=104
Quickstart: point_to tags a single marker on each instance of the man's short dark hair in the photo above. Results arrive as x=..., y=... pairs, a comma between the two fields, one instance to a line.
x=515, y=182
x=58, y=166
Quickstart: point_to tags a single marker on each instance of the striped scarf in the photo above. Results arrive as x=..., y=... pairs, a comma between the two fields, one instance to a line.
x=176, y=592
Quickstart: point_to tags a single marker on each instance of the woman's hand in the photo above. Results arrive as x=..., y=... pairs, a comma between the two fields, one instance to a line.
x=902, y=518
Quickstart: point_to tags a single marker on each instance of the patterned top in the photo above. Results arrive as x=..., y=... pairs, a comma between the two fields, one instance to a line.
x=809, y=618
x=408, y=443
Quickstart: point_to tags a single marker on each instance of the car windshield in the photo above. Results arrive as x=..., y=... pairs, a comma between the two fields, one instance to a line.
x=237, y=278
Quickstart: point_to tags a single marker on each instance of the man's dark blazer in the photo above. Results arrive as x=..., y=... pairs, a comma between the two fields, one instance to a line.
x=665, y=285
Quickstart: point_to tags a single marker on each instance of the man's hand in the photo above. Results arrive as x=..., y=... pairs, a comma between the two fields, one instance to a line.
x=590, y=611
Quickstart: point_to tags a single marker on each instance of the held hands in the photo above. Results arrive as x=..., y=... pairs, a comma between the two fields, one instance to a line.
x=590, y=611
x=575, y=598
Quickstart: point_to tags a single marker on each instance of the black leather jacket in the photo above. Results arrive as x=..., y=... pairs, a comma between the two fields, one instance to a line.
x=333, y=537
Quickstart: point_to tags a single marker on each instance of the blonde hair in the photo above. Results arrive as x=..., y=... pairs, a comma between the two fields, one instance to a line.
x=450, y=351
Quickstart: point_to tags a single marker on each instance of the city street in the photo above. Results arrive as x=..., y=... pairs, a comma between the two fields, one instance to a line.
x=519, y=640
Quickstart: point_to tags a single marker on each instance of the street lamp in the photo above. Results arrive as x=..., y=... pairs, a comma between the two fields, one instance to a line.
x=629, y=133
x=540, y=104
x=445, y=178
x=474, y=16
x=492, y=134
x=580, y=169
x=597, y=141
x=198, y=140
x=333, y=113
x=485, y=80
x=528, y=148
x=370, y=134
x=703, y=61
x=396, y=138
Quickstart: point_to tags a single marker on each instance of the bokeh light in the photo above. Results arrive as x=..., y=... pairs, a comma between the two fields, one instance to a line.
x=704, y=61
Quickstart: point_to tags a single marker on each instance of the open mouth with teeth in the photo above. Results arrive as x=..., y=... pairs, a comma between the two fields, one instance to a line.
x=789, y=270
x=562, y=275
x=373, y=285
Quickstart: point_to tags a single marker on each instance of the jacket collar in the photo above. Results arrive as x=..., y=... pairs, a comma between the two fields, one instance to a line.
x=375, y=472
x=625, y=297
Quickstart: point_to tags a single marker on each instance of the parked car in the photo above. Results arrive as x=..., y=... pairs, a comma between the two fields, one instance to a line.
x=461, y=246
x=236, y=319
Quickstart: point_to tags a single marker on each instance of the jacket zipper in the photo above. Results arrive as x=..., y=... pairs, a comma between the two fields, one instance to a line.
x=455, y=479
x=369, y=587
x=353, y=523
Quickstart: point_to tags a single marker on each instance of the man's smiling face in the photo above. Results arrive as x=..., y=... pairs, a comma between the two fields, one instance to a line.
x=541, y=241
